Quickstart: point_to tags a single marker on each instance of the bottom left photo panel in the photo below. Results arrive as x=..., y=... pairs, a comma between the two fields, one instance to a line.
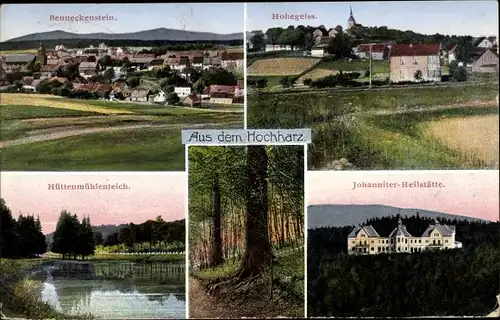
x=93, y=245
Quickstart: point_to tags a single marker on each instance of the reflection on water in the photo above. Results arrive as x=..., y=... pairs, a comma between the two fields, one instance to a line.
x=115, y=290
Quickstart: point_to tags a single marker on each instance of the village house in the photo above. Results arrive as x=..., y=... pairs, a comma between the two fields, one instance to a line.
x=140, y=95
x=87, y=69
x=317, y=51
x=452, y=54
x=211, y=62
x=155, y=63
x=378, y=51
x=232, y=61
x=187, y=72
x=487, y=62
x=485, y=42
x=409, y=60
x=160, y=97
x=365, y=240
x=178, y=63
x=221, y=98
x=197, y=62
x=17, y=62
x=32, y=85
x=49, y=70
x=182, y=92
x=278, y=47
x=192, y=101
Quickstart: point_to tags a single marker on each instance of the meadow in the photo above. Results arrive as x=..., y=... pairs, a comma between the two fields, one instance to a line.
x=281, y=66
x=403, y=128
x=43, y=132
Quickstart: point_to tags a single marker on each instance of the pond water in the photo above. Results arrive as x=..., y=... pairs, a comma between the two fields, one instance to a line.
x=114, y=290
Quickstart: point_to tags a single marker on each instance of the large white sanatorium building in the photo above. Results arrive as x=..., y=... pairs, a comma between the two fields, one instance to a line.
x=365, y=240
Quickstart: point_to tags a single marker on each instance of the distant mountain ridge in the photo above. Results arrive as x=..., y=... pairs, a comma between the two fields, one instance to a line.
x=159, y=34
x=336, y=215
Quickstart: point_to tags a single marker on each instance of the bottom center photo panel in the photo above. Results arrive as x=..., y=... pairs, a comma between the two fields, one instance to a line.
x=246, y=231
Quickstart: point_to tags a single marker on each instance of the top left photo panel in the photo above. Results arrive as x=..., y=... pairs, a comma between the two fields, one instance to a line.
x=109, y=87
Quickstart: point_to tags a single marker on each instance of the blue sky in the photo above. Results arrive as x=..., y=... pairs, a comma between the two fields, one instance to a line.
x=21, y=19
x=474, y=18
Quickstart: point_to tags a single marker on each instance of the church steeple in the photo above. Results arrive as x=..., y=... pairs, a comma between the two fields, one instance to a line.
x=351, y=22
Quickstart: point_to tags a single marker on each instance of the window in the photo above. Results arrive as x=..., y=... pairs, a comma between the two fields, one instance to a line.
x=354, y=242
x=419, y=241
x=446, y=241
x=401, y=61
x=373, y=249
x=362, y=235
x=415, y=61
x=401, y=75
x=378, y=249
x=406, y=240
x=426, y=241
x=373, y=241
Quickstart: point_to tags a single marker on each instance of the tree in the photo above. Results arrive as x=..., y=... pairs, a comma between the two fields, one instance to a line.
x=86, y=238
x=258, y=41
x=105, y=61
x=66, y=236
x=257, y=248
x=273, y=35
x=458, y=74
x=173, y=98
x=134, y=81
x=98, y=238
x=7, y=231
x=217, y=238
x=340, y=46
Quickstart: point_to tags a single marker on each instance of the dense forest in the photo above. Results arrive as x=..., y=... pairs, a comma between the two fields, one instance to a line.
x=218, y=200
x=150, y=236
x=21, y=238
x=451, y=282
x=246, y=216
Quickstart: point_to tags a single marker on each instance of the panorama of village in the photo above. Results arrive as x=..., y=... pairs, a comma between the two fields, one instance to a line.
x=124, y=96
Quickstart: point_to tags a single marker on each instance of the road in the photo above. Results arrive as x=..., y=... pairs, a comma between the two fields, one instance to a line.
x=63, y=132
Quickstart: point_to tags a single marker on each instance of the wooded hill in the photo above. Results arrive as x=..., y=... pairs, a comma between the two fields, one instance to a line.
x=443, y=283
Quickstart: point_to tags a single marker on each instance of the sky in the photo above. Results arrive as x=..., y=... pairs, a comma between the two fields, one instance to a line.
x=150, y=195
x=468, y=193
x=223, y=18
x=475, y=18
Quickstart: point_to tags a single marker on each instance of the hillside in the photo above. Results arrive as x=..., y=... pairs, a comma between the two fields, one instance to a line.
x=329, y=215
x=160, y=34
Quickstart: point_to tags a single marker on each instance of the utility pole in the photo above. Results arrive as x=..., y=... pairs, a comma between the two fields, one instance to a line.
x=370, y=65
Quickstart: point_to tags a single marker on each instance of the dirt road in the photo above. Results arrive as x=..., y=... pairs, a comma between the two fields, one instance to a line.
x=63, y=132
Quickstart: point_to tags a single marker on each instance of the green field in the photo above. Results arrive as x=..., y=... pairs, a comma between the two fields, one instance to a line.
x=382, y=129
x=100, y=135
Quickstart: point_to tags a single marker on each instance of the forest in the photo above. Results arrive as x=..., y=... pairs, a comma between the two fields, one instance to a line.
x=459, y=282
x=246, y=230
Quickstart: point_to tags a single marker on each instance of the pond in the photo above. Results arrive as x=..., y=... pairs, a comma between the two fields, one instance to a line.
x=114, y=290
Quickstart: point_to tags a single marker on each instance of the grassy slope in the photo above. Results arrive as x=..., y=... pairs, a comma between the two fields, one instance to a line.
x=371, y=143
x=144, y=149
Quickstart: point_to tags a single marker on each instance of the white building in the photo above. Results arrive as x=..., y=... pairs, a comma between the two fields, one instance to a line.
x=160, y=97
x=366, y=240
x=317, y=52
x=182, y=92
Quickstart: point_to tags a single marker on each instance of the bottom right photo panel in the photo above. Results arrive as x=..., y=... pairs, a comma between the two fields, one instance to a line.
x=403, y=244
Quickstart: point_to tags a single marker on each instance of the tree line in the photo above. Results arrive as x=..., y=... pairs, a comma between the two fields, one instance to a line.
x=448, y=282
x=301, y=37
x=150, y=236
x=21, y=238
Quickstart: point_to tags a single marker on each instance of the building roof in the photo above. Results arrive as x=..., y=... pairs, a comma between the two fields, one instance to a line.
x=445, y=230
x=156, y=62
x=49, y=68
x=194, y=98
x=369, y=230
x=88, y=65
x=19, y=58
x=139, y=94
x=232, y=56
x=27, y=80
x=92, y=86
x=141, y=60
x=415, y=49
x=400, y=230
x=219, y=88
x=478, y=55
x=197, y=60
x=375, y=48
x=221, y=95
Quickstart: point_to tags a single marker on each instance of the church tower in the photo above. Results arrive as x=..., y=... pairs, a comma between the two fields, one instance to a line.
x=351, y=22
x=41, y=55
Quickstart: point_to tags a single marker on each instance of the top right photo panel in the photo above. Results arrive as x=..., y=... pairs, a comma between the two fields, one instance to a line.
x=383, y=85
